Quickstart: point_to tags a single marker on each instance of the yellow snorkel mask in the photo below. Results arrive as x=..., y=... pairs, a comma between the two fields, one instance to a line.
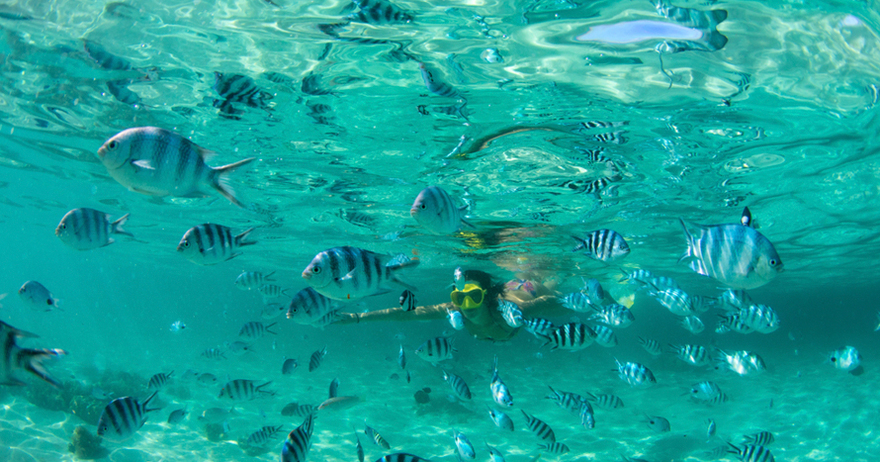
x=471, y=297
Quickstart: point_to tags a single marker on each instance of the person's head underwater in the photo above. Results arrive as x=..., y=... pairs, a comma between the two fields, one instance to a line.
x=478, y=292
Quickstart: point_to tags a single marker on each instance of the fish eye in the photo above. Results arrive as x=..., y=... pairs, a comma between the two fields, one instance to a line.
x=423, y=206
x=113, y=144
x=63, y=226
x=186, y=243
x=316, y=269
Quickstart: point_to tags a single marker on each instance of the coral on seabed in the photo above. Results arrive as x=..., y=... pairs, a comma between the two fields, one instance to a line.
x=85, y=445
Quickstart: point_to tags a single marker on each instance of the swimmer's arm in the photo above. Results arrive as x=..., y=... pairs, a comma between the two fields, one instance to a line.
x=544, y=306
x=421, y=313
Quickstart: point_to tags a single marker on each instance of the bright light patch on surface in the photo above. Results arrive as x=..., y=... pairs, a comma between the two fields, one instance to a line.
x=637, y=31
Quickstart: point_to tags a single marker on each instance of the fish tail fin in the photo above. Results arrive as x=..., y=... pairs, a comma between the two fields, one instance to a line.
x=32, y=361
x=468, y=224
x=582, y=244
x=240, y=239
x=269, y=331
x=268, y=277
x=220, y=179
x=116, y=226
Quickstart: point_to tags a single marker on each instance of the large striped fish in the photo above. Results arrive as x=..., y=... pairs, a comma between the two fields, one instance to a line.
x=235, y=88
x=158, y=162
x=209, y=244
x=572, y=336
x=350, y=273
x=86, y=229
x=123, y=417
x=13, y=358
x=734, y=254
x=299, y=441
x=241, y=390
x=435, y=211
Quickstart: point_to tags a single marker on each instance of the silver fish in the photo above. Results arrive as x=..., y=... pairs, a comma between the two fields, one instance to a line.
x=651, y=346
x=464, y=446
x=255, y=330
x=752, y=453
x=158, y=381
x=657, y=423
x=500, y=392
x=456, y=320
x=605, y=401
x=248, y=280
x=158, y=162
x=677, y=301
x=85, y=229
x=733, y=254
x=501, y=420
x=539, y=326
x=401, y=358
x=308, y=306
x=693, y=324
x=36, y=296
x=573, y=336
x=269, y=291
x=635, y=374
x=705, y=391
x=567, y=400
x=13, y=358
x=123, y=417
x=435, y=85
x=209, y=244
x=436, y=349
x=288, y=366
x=615, y=315
x=177, y=416
x=695, y=355
x=510, y=312
x=846, y=359
x=762, y=438
x=742, y=362
x=711, y=429
x=436, y=212
x=374, y=436
x=494, y=454
x=213, y=353
x=554, y=448
x=577, y=302
x=605, y=336
x=350, y=273
x=458, y=385
x=407, y=300
x=605, y=245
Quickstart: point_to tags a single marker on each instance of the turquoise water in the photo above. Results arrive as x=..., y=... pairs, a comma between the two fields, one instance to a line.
x=782, y=118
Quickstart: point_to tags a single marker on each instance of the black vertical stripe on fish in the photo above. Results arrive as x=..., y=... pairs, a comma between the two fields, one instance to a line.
x=539, y=428
x=316, y=359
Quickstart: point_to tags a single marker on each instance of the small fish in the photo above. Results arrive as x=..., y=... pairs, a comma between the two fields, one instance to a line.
x=695, y=355
x=567, y=400
x=572, y=336
x=455, y=318
x=639, y=276
x=651, y=346
x=603, y=245
x=877, y=329
x=311, y=85
x=510, y=312
x=104, y=58
x=435, y=85
x=677, y=301
x=407, y=300
x=588, y=419
x=578, y=302
x=308, y=306
x=752, y=453
x=539, y=428
x=458, y=280
x=359, y=448
x=215, y=415
x=298, y=442
x=704, y=391
x=554, y=448
x=206, y=379
x=248, y=280
x=436, y=349
x=746, y=218
x=693, y=324
x=255, y=330
x=494, y=454
x=85, y=229
x=501, y=420
x=374, y=436
x=711, y=430
x=657, y=423
x=635, y=374
x=458, y=385
x=213, y=353
x=605, y=401
x=235, y=88
x=436, y=212
x=209, y=244
x=401, y=457
x=846, y=359
x=271, y=291
x=298, y=410
x=241, y=390
x=760, y=318
x=316, y=359
x=615, y=315
x=539, y=326
x=289, y=366
x=350, y=273
x=158, y=162
x=13, y=358
x=401, y=358
x=177, y=416
x=500, y=392
x=735, y=255
x=37, y=296
x=605, y=336
x=334, y=388
x=593, y=289
x=119, y=89
x=742, y=362
x=123, y=417
x=177, y=326
x=263, y=436
x=158, y=381
x=272, y=311
x=379, y=12
x=464, y=446
x=762, y=438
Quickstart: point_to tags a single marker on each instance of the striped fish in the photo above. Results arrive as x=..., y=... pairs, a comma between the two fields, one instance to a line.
x=651, y=346
x=37, y=297
x=568, y=400
x=752, y=453
x=593, y=289
x=615, y=315
x=436, y=212
x=308, y=306
x=104, y=58
x=500, y=393
x=588, y=419
x=554, y=448
x=373, y=435
x=401, y=457
x=123, y=417
x=289, y=366
x=711, y=430
x=311, y=85
x=407, y=300
x=436, y=349
x=13, y=358
x=464, y=446
x=350, y=273
x=119, y=89
x=455, y=318
x=158, y=381
x=298, y=410
x=85, y=229
x=501, y=420
x=733, y=254
x=510, y=312
x=271, y=291
x=639, y=276
x=272, y=311
x=693, y=324
x=209, y=244
x=635, y=374
x=359, y=448
x=661, y=283
x=742, y=362
x=762, y=438
x=235, y=88
x=539, y=326
x=761, y=318
x=732, y=322
x=603, y=245
x=572, y=336
x=263, y=436
x=248, y=280
x=316, y=359
x=695, y=355
x=705, y=391
x=677, y=301
x=241, y=390
x=158, y=162
x=577, y=302
x=458, y=384
x=298, y=442
x=539, y=428
x=255, y=330
x=605, y=336
x=378, y=12
x=605, y=401
x=213, y=353
x=435, y=85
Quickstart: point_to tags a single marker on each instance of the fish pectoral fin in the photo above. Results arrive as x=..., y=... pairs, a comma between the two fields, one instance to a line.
x=144, y=164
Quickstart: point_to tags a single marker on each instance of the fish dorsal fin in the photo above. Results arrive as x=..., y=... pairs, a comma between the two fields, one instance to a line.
x=204, y=153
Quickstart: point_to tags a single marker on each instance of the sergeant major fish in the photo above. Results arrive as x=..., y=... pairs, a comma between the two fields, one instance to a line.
x=209, y=244
x=86, y=229
x=436, y=212
x=298, y=442
x=316, y=359
x=603, y=245
x=13, y=358
x=846, y=359
x=635, y=374
x=464, y=446
x=539, y=428
x=500, y=392
x=436, y=349
x=435, y=85
x=235, y=88
x=158, y=162
x=350, y=273
x=379, y=12
x=241, y=390
x=248, y=280
x=456, y=320
x=123, y=417
x=407, y=300
x=458, y=385
x=307, y=306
